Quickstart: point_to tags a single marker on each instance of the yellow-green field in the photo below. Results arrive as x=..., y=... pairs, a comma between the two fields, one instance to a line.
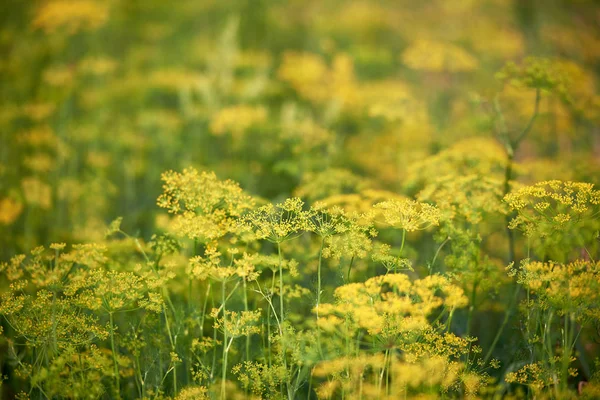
x=317, y=199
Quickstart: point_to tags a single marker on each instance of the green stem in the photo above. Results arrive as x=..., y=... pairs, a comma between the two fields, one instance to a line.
x=246, y=309
x=471, y=308
x=172, y=342
x=224, y=360
x=319, y=296
x=281, y=316
x=402, y=244
x=281, y=319
x=114, y=354
x=437, y=254
x=349, y=269
x=271, y=309
x=203, y=316
x=507, y=314
x=449, y=321
x=511, y=146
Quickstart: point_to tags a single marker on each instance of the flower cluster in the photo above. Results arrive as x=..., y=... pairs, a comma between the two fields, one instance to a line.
x=205, y=208
x=560, y=215
x=538, y=73
x=280, y=222
x=392, y=304
x=409, y=215
x=571, y=289
x=438, y=57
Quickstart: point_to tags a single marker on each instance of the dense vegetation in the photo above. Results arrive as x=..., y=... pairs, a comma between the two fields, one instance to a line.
x=299, y=199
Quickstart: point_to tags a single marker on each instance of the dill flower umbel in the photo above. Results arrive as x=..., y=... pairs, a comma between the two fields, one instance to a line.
x=409, y=215
x=280, y=222
x=557, y=216
x=572, y=289
x=237, y=119
x=394, y=296
x=205, y=208
x=434, y=56
x=538, y=73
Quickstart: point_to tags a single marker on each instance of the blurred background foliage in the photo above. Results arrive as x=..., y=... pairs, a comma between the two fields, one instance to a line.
x=99, y=97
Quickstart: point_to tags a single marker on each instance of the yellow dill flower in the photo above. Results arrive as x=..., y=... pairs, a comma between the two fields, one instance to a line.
x=97, y=66
x=305, y=72
x=382, y=254
x=556, y=216
x=9, y=210
x=280, y=222
x=393, y=101
x=427, y=372
x=495, y=40
x=92, y=255
x=352, y=239
x=272, y=262
x=459, y=160
x=263, y=380
x=237, y=120
x=236, y=324
x=202, y=267
x=409, y=215
x=330, y=182
x=537, y=376
x=43, y=319
x=313, y=79
x=14, y=268
x=193, y=393
x=111, y=291
x=39, y=112
x=303, y=134
x=469, y=197
x=360, y=203
x=245, y=267
x=71, y=15
x=572, y=288
x=390, y=303
x=172, y=79
x=37, y=193
x=434, y=56
x=538, y=73
x=204, y=207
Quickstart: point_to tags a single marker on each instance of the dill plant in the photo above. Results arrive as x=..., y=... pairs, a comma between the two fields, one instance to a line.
x=391, y=335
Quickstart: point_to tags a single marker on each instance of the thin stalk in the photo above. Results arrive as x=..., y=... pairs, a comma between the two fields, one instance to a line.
x=387, y=373
x=281, y=316
x=509, y=232
x=437, y=253
x=380, y=382
x=566, y=353
x=269, y=322
x=319, y=295
x=349, y=269
x=203, y=316
x=168, y=326
x=114, y=354
x=449, y=321
x=309, y=385
x=139, y=377
x=246, y=309
x=214, y=359
x=511, y=146
x=471, y=308
x=402, y=244
x=224, y=358
x=507, y=314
